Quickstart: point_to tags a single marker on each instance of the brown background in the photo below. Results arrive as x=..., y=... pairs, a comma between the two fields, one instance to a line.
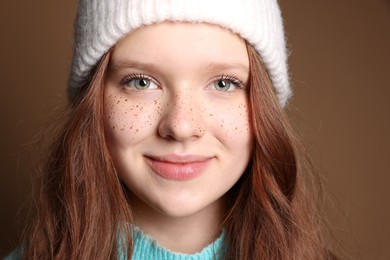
x=340, y=65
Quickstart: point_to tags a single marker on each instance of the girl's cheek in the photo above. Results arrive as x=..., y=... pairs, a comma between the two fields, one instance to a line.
x=129, y=120
x=232, y=123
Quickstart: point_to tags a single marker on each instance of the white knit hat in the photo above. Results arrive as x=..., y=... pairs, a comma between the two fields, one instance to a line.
x=102, y=23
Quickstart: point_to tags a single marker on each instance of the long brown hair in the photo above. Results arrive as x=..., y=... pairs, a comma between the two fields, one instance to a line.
x=82, y=204
x=81, y=201
x=272, y=214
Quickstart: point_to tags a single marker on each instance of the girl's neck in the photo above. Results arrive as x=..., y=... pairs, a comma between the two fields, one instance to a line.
x=184, y=234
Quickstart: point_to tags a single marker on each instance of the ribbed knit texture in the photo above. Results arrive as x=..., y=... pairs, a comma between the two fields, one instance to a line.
x=101, y=23
x=146, y=248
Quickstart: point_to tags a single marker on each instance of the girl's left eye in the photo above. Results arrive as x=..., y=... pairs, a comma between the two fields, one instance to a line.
x=227, y=83
x=138, y=82
x=223, y=85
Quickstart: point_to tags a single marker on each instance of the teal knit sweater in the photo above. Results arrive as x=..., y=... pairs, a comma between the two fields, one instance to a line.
x=146, y=248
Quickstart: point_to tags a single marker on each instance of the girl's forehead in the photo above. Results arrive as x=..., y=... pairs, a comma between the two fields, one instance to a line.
x=188, y=41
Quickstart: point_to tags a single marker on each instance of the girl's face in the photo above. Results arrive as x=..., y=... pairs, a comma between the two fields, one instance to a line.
x=176, y=116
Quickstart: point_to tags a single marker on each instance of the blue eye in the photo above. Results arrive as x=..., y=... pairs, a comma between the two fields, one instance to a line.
x=227, y=83
x=223, y=85
x=138, y=82
x=141, y=83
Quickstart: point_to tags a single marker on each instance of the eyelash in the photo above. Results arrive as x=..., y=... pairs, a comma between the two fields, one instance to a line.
x=233, y=79
x=229, y=77
x=130, y=77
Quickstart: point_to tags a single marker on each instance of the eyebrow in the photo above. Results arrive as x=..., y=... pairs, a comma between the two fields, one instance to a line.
x=128, y=64
x=213, y=66
x=216, y=66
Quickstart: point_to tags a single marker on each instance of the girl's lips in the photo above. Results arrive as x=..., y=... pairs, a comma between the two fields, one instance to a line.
x=177, y=167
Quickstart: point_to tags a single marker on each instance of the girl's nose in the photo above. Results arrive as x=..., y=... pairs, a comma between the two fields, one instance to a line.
x=182, y=119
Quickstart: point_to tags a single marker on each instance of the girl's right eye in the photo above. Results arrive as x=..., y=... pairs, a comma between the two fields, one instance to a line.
x=138, y=82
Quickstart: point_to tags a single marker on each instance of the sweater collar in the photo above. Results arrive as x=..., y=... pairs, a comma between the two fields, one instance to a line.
x=145, y=247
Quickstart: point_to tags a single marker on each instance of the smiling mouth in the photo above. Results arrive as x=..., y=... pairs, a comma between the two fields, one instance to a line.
x=175, y=167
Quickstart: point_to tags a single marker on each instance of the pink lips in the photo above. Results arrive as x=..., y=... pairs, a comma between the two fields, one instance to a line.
x=178, y=167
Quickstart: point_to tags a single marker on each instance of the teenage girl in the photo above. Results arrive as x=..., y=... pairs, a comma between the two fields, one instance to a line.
x=176, y=144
